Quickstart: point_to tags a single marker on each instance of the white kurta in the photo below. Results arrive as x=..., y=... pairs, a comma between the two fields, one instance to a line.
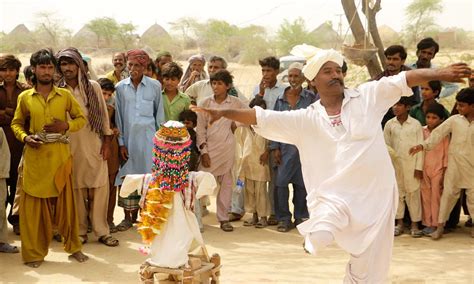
x=401, y=137
x=350, y=180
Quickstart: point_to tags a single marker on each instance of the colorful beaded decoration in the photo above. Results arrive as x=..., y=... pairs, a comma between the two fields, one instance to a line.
x=171, y=153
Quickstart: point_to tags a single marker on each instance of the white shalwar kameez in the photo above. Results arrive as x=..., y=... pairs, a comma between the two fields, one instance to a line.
x=352, y=194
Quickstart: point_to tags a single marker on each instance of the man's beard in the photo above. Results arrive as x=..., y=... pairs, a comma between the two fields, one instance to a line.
x=422, y=64
x=45, y=82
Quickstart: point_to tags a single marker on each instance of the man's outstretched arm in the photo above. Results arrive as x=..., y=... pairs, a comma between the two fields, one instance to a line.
x=245, y=116
x=453, y=73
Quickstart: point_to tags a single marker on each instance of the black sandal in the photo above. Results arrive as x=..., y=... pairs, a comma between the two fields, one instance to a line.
x=226, y=226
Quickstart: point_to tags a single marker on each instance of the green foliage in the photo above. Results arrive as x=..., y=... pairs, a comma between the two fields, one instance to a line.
x=291, y=34
x=420, y=19
x=106, y=29
x=126, y=36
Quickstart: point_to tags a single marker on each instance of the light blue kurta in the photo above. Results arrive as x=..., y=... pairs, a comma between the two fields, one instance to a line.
x=139, y=113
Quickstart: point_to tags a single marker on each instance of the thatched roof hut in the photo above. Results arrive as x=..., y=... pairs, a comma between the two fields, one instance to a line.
x=326, y=36
x=155, y=36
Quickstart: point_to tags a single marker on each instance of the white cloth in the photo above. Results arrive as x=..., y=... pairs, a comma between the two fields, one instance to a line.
x=315, y=58
x=350, y=180
x=170, y=248
x=401, y=137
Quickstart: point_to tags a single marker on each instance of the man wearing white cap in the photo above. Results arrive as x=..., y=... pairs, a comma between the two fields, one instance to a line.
x=349, y=178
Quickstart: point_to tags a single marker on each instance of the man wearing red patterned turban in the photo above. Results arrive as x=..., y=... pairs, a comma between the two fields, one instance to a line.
x=139, y=112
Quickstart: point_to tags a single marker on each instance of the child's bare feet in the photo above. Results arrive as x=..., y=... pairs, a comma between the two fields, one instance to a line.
x=79, y=256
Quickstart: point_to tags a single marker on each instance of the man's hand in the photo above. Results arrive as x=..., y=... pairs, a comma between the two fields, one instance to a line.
x=123, y=153
x=58, y=126
x=415, y=149
x=418, y=174
x=206, y=160
x=31, y=141
x=277, y=157
x=105, y=150
x=264, y=158
x=262, y=86
x=454, y=73
x=214, y=114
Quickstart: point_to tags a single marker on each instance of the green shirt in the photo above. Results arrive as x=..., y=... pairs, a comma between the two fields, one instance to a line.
x=417, y=113
x=172, y=109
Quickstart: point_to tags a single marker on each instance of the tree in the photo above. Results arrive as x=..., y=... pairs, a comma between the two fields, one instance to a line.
x=126, y=36
x=291, y=34
x=50, y=30
x=358, y=31
x=106, y=30
x=420, y=17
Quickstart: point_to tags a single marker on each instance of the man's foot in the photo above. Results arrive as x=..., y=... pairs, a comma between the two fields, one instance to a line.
x=251, y=221
x=112, y=228
x=398, y=230
x=272, y=221
x=468, y=222
x=57, y=237
x=284, y=226
x=79, y=256
x=416, y=233
x=436, y=235
x=226, y=226
x=34, y=264
x=234, y=217
x=427, y=231
x=124, y=225
x=7, y=248
x=83, y=239
x=262, y=223
x=16, y=229
x=109, y=241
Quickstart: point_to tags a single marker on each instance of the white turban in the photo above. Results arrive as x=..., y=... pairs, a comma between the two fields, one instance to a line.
x=316, y=58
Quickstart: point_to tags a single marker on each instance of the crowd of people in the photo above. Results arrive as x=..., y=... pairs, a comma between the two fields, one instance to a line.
x=67, y=141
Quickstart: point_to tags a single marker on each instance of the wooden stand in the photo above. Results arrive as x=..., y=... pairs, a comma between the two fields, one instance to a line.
x=201, y=269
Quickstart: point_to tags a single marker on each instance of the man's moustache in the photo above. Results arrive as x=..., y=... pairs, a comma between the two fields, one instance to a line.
x=334, y=81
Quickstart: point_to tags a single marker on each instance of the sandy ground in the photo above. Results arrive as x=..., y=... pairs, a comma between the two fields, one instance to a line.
x=251, y=255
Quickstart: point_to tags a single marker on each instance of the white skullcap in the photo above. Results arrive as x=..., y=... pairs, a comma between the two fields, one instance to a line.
x=316, y=58
x=296, y=65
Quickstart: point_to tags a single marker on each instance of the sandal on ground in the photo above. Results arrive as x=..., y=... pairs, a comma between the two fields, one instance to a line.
x=124, y=225
x=109, y=241
x=226, y=226
x=284, y=227
x=262, y=223
x=398, y=230
x=234, y=217
x=34, y=264
x=416, y=233
x=251, y=221
x=272, y=221
x=112, y=228
x=83, y=239
x=7, y=248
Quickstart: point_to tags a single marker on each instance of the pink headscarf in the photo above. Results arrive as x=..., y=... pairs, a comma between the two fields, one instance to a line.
x=140, y=55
